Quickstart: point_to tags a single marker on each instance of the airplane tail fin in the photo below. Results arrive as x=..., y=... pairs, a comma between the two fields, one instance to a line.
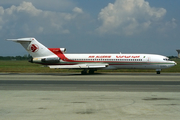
x=33, y=47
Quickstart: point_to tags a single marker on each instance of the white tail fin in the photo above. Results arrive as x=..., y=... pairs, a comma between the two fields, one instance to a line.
x=34, y=48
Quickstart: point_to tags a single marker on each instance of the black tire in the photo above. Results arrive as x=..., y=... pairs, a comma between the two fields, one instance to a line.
x=91, y=71
x=83, y=72
x=158, y=72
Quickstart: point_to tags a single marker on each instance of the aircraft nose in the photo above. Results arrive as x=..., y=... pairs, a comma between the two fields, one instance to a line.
x=174, y=63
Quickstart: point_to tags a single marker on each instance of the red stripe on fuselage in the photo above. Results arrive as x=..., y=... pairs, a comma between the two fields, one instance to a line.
x=58, y=52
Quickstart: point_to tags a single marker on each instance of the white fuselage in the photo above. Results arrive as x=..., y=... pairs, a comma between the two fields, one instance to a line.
x=119, y=61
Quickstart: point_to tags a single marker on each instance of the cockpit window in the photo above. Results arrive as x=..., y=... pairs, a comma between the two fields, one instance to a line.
x=166, y=59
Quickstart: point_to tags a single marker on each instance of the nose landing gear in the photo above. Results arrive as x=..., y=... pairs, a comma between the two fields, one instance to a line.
x=158, y=71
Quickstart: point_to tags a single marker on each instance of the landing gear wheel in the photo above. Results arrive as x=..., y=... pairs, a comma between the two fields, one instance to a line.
x=158, y=72
x=91, y=71
x=84, y=72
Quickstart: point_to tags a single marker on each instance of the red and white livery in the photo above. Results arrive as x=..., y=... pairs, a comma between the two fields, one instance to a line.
x=57, y=58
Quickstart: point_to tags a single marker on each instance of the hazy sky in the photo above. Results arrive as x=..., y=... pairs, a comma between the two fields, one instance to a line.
x=92, y=26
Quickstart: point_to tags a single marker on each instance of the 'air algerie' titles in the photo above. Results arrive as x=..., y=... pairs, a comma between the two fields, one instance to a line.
x=127, y=56
x=99, y=57
x=104, y=56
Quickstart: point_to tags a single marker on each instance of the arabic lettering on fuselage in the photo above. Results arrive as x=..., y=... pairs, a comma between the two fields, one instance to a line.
x=127, y=56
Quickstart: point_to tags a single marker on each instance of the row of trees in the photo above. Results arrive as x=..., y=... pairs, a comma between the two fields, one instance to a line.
x=25, y=57
x=170, y=57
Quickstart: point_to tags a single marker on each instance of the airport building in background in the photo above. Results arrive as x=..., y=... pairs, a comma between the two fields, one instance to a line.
x=178, y=53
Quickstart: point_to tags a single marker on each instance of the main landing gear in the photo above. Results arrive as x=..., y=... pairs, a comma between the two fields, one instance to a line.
x=85, y=72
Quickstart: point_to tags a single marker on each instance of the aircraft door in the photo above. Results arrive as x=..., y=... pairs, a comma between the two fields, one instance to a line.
x=149, y=59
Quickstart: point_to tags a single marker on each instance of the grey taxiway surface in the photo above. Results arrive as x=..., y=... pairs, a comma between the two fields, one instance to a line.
x=115, y=96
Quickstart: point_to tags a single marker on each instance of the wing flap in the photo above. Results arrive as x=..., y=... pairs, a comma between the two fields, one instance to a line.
x=79, y=66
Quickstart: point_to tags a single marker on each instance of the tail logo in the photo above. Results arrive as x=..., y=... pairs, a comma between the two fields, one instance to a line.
x=34, y=48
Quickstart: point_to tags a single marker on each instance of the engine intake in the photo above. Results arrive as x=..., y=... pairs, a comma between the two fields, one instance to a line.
x=57, y=50
x=63, y=50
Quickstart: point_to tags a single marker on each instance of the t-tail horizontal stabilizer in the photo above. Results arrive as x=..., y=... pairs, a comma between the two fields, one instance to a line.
x=33, y=47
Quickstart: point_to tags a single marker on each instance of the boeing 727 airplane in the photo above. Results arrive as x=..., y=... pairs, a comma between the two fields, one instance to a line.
x=56, y=58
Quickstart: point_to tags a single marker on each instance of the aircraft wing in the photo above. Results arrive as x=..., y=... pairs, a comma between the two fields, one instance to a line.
x=79, y=66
